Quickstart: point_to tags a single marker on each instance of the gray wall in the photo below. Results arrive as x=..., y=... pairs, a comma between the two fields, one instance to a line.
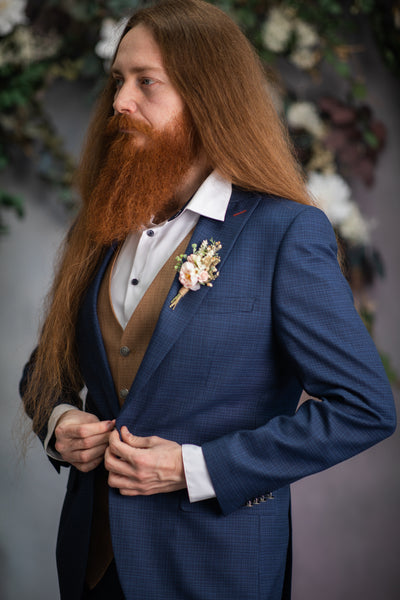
x=346, y=526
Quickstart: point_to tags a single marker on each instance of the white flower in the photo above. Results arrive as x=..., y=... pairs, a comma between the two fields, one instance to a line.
x=304, y=115
x=277, y=29
x=188, y=276
x=355, y=228
x=332, y=195
x=12, y=13
x=110, y=33
x=24, y=47
x=306, y=36
x=304, y=58
x=305, y=54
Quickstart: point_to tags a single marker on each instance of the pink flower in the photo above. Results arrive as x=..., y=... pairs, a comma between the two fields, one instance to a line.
x=188, y=276
x=203, y=276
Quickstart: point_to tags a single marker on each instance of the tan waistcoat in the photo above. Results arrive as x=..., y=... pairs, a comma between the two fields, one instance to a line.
x=125, y=351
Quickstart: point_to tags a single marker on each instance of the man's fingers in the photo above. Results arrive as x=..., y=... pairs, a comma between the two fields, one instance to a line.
x=74, y=430
x=65, y=444
x=117, y=465
x=134, y=440
x=80, y=457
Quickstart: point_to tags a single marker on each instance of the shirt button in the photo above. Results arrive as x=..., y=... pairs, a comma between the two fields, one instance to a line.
x=123, y=393
x=150, y=233
x=124, y=351
x=134, y=281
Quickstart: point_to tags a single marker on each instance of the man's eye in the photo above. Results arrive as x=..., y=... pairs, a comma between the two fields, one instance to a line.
x=146, y=81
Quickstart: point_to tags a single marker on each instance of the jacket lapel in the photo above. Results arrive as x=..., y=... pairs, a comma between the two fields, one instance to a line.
x=92, y=355
x=171, y=323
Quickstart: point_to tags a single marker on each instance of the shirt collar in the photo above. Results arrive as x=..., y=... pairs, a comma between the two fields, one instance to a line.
x=212, y=198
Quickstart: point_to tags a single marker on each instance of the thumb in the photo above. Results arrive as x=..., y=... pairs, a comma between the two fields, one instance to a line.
x=134, y=440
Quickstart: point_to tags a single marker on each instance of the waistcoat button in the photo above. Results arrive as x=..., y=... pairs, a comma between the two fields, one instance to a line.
x=124, y=351
x=123, y=393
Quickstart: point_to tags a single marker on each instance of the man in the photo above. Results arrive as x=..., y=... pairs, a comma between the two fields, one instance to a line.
x=182, y=459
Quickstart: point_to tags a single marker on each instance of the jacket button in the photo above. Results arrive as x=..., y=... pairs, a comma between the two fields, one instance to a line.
x=124, y=351
x=123, y=393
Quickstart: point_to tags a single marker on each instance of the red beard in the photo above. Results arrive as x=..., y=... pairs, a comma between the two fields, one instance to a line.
x=136, y=183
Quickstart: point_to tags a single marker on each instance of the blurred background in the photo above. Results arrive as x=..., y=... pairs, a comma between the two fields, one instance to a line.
x=334, y=72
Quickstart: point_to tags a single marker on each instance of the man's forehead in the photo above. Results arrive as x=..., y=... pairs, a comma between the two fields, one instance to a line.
x=138, y=51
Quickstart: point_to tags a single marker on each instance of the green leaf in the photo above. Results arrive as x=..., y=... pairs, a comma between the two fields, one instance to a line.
x=11, y=201
x=364, y=6
x=120, y=7
x=83, y=11
x=342, y=68
x=359, y=90
x=3, y=162
x=371, y=139
x=331, y=6
x=246, y=17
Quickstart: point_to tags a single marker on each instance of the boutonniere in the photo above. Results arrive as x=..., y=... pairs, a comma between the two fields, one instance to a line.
x=199, y=268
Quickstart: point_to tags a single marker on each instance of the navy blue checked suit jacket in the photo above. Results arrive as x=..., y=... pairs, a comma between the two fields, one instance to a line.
x=225, y=370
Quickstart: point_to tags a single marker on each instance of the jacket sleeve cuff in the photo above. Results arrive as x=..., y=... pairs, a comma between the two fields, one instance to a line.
x=58, y=411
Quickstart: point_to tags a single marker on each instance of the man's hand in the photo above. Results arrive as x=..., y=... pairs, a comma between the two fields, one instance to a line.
x=141, y=466
x=82, y=439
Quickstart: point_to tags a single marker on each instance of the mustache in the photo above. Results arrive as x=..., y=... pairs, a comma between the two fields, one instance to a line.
x=123, y=124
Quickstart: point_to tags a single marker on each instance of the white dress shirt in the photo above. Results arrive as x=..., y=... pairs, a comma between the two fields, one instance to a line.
x=141, y=257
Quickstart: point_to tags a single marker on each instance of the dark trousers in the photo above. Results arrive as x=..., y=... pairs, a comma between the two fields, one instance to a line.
x=108, y=588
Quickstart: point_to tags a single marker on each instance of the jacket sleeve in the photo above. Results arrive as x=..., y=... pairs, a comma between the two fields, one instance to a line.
x=331, y=353
x=71, y=399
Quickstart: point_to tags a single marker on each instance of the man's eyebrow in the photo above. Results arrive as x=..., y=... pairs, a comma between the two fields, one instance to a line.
x=134, y=70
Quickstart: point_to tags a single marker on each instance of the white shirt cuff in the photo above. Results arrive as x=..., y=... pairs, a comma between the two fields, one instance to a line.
x=58, y=411
x=198, y=480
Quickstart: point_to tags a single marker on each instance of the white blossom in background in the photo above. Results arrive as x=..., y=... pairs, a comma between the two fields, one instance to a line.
x=332, y=195
x=12, y=13
x=355, y=228
x=277, y=29
x=23, y=47
x=305, y=54
x=304, y=115
x=110, y=33
x=306, y=35
x=304, y=58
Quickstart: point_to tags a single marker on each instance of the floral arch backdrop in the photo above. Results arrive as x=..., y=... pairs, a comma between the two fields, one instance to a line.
x=336, y=135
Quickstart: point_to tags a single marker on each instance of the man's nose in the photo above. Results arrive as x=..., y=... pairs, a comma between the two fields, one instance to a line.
x=125, y=101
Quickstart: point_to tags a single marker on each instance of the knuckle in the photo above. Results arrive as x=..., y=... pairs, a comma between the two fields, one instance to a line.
x=142, y=463
x=82, y=456
x=86, y=443
x=81, y=430
x=112, y=481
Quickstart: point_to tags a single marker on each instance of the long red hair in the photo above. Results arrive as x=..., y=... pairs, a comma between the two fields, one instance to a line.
x=221, y=79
